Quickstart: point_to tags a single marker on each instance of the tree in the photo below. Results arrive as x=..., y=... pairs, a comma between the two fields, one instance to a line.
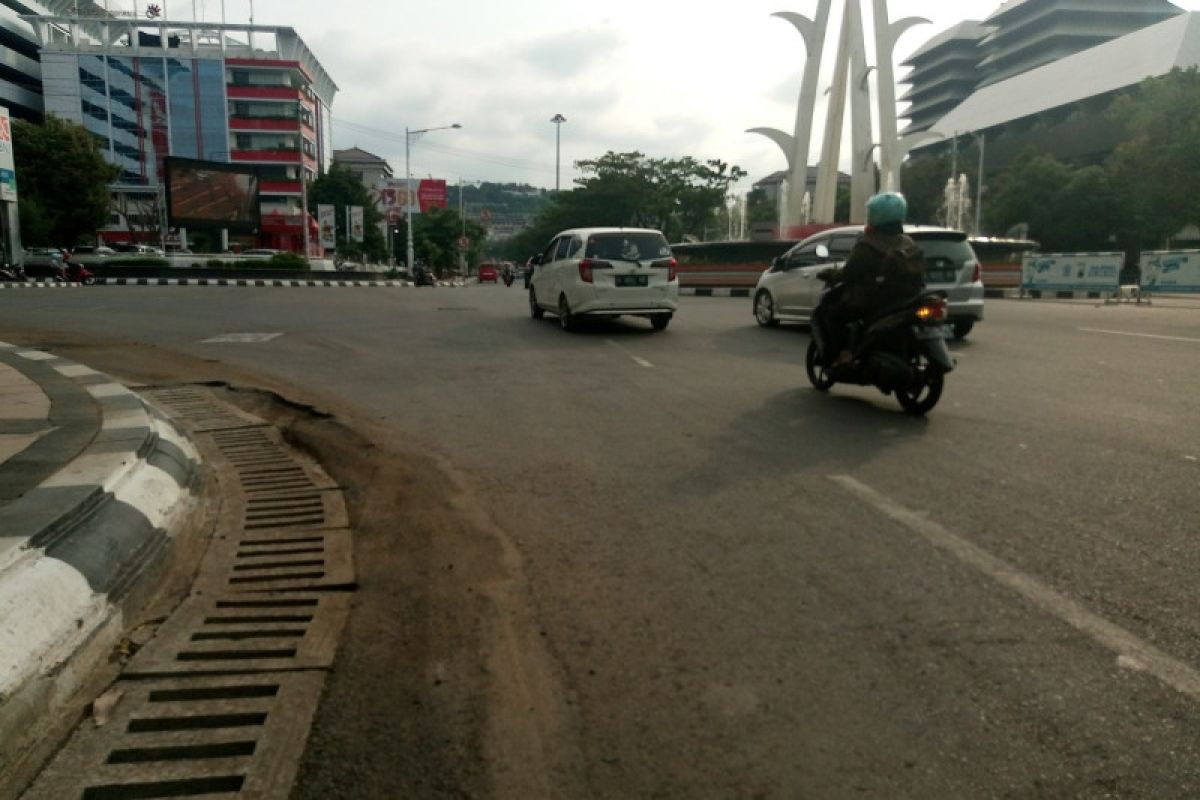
x=1030, y=192
x=341, y=188
x=435, y=238
x=677, y=196
x=759, y=208
x=1163, y=118
x=63, y=182
x=924, y=181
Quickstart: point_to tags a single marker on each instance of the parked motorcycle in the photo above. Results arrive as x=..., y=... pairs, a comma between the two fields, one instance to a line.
x=12, y=274
x=902, y=351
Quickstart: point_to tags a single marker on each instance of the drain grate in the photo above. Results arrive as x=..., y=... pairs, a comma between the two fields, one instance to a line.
x=198, y=409
x=219, y=702
x=219, y=736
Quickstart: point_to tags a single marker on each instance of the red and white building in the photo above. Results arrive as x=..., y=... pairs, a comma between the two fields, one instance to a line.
x=148, y=89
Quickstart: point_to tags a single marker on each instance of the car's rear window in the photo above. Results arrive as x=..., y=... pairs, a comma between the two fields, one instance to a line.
x=937, y=248
x=623, y=246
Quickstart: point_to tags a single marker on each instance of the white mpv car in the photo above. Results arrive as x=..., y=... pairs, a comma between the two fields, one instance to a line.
x=605, y=272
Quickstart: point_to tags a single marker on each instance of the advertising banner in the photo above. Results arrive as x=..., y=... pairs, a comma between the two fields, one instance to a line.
x=1171, y=272
x=392, y=200
x=1072, y=272
x=356, y=223
x=327, y=221
x=8, y=174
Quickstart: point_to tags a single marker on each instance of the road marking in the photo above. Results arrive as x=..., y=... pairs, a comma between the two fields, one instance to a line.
x=641, y=362
x=1129, y=648
x=241, y=338
x=1142, y=335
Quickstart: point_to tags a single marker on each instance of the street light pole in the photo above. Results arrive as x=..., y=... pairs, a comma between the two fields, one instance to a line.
x=558, y=120
x=408, y=201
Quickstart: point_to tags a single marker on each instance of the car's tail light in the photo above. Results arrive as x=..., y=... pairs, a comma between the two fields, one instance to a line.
x=977, y=274
x=671, y=265
x=585, y=269
x=933, y=310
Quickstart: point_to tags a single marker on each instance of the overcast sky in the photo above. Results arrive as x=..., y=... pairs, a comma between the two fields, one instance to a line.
x=665, y=77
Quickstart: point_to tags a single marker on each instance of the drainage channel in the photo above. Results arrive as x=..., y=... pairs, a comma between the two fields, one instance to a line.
x=219, y=703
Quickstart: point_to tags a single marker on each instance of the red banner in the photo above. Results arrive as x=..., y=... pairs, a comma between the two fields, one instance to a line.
x=431, y=194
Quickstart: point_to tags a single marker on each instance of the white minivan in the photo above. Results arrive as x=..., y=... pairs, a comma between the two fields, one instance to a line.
x=605, y=272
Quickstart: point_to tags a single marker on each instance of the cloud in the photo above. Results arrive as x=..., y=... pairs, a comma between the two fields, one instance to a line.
x=571, y=53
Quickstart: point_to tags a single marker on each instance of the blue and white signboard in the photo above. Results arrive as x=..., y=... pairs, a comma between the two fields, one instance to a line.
x=1171, y=272
x=1072, y=272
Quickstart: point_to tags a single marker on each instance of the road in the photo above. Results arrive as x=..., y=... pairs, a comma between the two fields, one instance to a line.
x=624, y=564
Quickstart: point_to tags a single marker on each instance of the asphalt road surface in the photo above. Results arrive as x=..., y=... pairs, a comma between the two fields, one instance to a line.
x=626, y=564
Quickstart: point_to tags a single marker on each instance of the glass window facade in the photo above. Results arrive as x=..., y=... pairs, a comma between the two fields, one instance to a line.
x=140, y=110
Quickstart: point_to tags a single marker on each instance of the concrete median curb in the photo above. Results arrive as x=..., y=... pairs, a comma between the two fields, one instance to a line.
x=79, y=544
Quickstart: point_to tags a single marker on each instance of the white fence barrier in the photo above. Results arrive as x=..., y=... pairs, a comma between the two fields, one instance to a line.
x=1095, y=274
x=1171, y=272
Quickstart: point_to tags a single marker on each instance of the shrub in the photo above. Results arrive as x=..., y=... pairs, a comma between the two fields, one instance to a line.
x=136, y=261
x=214, y=263
x=195, y=265
x=288, y=261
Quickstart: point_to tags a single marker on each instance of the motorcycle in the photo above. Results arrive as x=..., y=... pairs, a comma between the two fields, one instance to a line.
x=507, y=277
x=78, y=273
x=902, y=351
x=11, y=274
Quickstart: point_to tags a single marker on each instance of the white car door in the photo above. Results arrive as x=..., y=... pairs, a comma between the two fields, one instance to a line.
x=542, y=281
x=791, y=286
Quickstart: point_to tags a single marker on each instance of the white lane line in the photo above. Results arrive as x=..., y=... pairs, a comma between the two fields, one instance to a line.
x=1142, y=335
x=1129, y=648
x=641, y=362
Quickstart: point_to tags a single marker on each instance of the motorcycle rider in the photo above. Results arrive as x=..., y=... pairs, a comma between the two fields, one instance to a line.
x=884, y=267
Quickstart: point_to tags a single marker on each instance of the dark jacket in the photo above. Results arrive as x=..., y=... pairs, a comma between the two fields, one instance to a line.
x=875, y=273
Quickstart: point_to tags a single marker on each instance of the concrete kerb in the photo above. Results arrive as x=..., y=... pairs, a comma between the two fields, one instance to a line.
x=75, y=547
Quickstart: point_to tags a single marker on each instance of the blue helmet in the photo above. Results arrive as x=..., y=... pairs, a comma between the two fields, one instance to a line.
x=887, y=207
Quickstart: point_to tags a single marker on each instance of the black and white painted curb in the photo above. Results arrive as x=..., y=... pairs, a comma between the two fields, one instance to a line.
x=713, y=291
x=242, y=282
x=72, y=547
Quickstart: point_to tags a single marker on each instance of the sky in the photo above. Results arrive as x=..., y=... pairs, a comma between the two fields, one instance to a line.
x=667, y=78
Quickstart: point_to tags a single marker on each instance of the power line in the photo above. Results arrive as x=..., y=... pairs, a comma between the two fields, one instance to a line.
x=475, y=155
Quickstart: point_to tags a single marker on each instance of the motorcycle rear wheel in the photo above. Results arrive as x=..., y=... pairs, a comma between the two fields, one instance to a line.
x=818, y=373
x=926, y=389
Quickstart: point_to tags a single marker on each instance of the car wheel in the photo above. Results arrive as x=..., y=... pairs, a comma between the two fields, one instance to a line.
x=535, y=310
x=660, y=321
x=962, y=327
x=565, y=320
x=764, y=309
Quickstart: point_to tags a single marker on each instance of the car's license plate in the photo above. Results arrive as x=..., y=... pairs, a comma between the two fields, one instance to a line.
x=940, y=275
x=631, y=280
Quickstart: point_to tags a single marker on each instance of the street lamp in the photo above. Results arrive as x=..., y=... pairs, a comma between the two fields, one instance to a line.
x=408, y=137
x=558, y=120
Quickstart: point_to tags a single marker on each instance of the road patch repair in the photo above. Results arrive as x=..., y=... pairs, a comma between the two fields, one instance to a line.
x=216, y=694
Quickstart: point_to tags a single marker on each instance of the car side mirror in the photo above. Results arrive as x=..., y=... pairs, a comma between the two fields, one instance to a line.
x=537, y=260
x=822, y=251
x=777, y=263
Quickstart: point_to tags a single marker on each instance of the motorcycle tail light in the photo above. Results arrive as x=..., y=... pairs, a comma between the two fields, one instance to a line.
x=933, y=311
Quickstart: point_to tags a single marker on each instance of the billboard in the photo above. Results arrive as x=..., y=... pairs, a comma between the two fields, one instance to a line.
x=212, y=194
x=1072, y=272
x=327, y=221
x=356, y=223
x=1166, y=272
x=8, y=175
x=391, y=197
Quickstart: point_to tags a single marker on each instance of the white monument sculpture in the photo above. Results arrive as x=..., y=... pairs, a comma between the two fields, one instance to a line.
x=795, y=147
x=850, y=76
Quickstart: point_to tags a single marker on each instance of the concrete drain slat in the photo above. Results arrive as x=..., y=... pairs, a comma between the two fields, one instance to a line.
x=175, y=648
x=219, y=702
x=191, y=737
